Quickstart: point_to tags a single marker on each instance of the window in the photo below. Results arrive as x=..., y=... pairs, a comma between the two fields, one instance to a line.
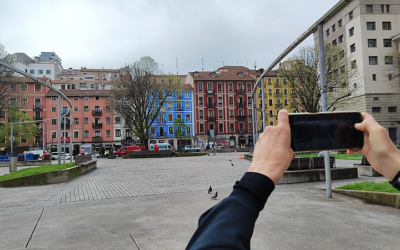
x=388, y=59
x=371, y=43
x=76, y=120
x=270, y=102
x=352, y=48
x=351, y=15
x=54, y=122
x=86, y=98
x=76, y=98
x=340, y=39
x=188, y=130
x=85, y=120
x=32, y=71
x=187, y=117
x=373, y=77
x=333, y=28
x=118, y=133
x=187, y=105
x=40, y=71
x=387, y=43
x=97, y=98
x=376, y=109
x=169, y=105
x=386, y=25
x=76, y=108
x=219, y=86
x=24, y=87
x=221, y=128
x=170, y=130
x=219, y=113
x=370, y=25
x=353, y=64
x=327, y=32
x=351, y=31
x=340, y=23
x=108, y=133
x=38, y=87
x=201, y=101
x=370, y=8
x=390, y=77
x=219, y=100
x=117, y=120
x=376, y=99
x=53, y=109
x=187, y=94
x=249, y=87
x=170, y=117
x=373, y=60
x=86, y=134
x=13, y=102
x=54, y=98
x=230, y=86
x=387, y=8
x=269, y=81
x=392, y=109
x=108, y=108
x=48, y=71
x=232, y=127
x=76, y=134
x=201, y=128
x=334, y=42
x=24, y=102
x=86, y=108
x=200, y=87
x=249, y=100
x=201, y=114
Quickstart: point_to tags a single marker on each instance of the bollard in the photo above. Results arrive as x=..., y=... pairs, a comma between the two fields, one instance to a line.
x=13, y=164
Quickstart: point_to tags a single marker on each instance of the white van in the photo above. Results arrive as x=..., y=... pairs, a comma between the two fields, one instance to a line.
x=161, y=146
x=35, y=152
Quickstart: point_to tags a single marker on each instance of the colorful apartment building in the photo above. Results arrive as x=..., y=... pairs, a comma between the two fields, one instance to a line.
x=92, y=120
x=179, y=105
x=223, y=106
x=278, y=94
x=29, y=97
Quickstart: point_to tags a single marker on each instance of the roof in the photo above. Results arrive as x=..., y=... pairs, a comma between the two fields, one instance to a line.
x=187, y=87
x=99, y=70
x=220, y=76
x=77, y=92
x=22, y=57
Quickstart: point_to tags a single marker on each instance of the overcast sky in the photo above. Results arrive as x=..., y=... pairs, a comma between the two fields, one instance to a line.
x=112, y=34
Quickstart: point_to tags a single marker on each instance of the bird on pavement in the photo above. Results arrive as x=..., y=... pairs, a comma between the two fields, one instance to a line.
x=231, y=163
x=210, y=190
x=215, y=196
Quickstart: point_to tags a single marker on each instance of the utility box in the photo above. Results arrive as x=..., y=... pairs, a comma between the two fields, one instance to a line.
x=13, y=164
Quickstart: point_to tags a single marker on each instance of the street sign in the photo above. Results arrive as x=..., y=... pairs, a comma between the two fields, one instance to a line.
x=12, y=138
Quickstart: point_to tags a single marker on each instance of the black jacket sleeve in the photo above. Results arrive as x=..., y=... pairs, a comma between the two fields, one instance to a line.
x=230, y=224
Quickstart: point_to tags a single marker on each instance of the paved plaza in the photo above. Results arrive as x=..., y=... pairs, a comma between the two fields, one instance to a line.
x=155, y=204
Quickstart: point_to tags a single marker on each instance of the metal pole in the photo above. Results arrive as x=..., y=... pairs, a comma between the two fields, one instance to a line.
x=70, y=136
x=43, y=131
x=324, y=106
x=11, y=139
x=64, y=137
x=263, y=104
x=253, y=123
x=59, y=130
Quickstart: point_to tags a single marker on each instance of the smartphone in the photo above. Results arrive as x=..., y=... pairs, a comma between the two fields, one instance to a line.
x=325, y=131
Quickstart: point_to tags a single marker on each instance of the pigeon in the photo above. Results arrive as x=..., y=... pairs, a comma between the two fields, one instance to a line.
x=210, y=190
x=215, y=196
x=231, y=163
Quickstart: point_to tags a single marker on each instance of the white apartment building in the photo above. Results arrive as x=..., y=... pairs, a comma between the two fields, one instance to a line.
x=367, y=31
x=44, y=65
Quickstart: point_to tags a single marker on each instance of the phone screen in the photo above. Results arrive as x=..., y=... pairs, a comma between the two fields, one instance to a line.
x=325, y=131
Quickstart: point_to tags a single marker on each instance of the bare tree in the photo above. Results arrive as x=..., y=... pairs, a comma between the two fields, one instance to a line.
x=140, y=94
x=302, y=73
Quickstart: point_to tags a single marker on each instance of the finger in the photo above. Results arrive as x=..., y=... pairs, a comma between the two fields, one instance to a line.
x=283, y=117
x=367, y=124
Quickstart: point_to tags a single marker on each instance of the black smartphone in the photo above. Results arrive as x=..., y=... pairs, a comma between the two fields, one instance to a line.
x=325, y=131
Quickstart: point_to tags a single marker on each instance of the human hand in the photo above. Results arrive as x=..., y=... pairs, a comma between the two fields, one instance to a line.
x=272, y=153
x=378, y=147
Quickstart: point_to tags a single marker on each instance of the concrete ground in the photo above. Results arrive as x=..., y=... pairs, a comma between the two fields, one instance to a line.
x=155, y=204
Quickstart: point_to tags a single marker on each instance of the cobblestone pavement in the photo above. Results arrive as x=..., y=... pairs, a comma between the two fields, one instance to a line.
x=121, y=178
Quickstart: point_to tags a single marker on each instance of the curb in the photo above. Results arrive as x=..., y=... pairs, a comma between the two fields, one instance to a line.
x=385, y=199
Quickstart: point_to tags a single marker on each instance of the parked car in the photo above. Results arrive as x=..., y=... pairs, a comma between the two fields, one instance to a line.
x=190, y=148
x=68, y=157
x=54, y=155
x=161, y=146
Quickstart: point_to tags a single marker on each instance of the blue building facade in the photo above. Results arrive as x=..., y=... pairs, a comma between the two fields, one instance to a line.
x=180, y=105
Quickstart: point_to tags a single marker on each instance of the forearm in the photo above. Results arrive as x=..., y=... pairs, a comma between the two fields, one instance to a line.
x=230, y=224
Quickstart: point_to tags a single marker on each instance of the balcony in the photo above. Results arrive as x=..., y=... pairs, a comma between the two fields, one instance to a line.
x=278, y=95
x=97, y=138
x=97, y=112
x=210, y=91
x=242, y=131
x=241, y=118
x=210, y=105
x=278, y=106
x=97, y=125
x=241, y=104
x=37, y=107
x=67, y=124
x=37, y=118
x=179, y=109
x=240, y=91
x=210, y=118
x=162, y=134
